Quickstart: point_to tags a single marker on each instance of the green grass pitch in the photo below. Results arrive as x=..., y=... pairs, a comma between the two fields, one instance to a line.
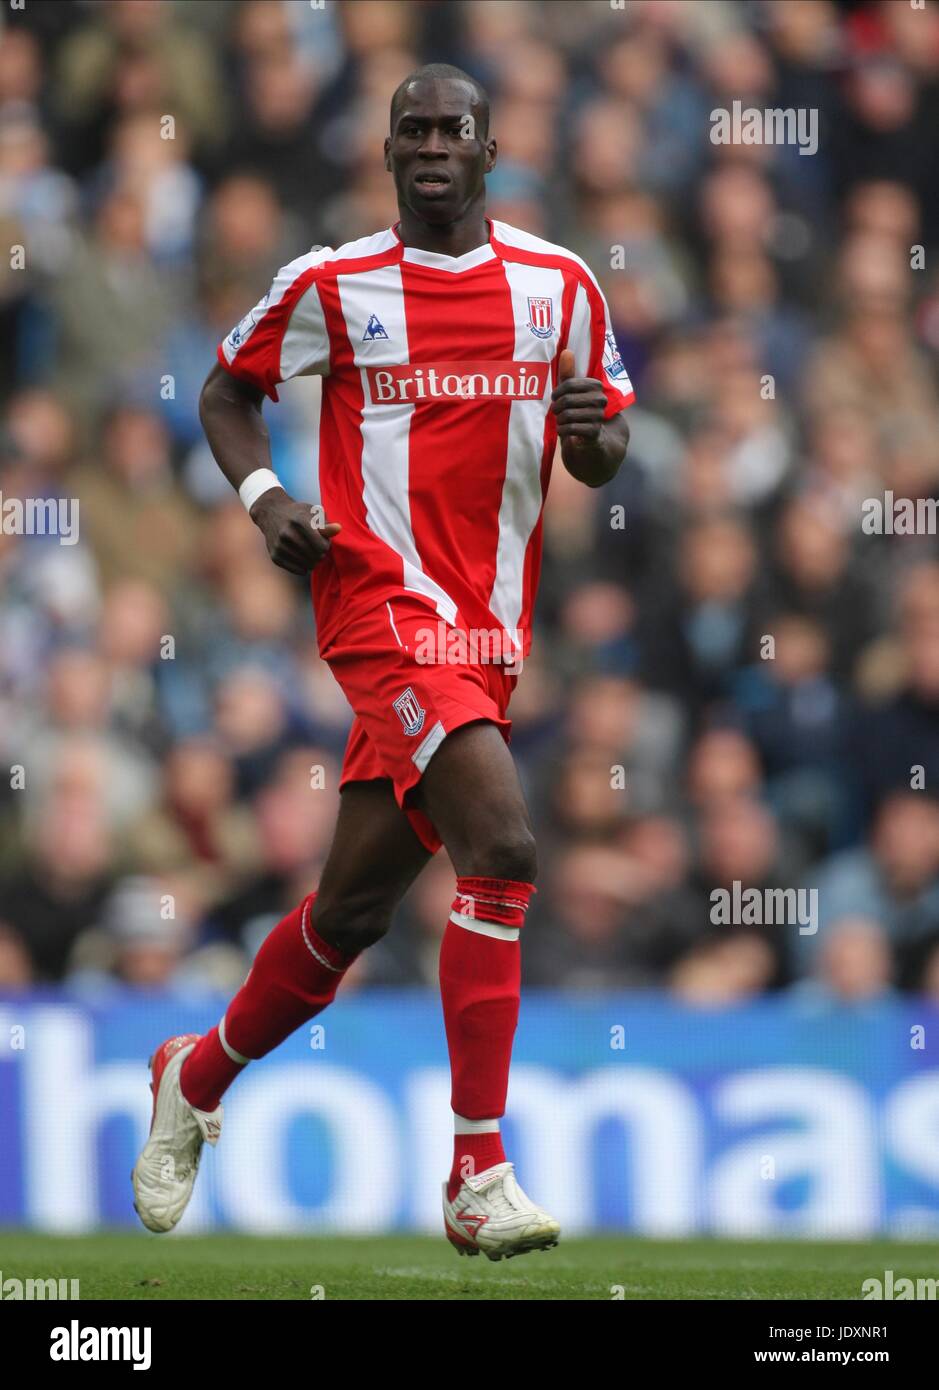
x=119, y=1266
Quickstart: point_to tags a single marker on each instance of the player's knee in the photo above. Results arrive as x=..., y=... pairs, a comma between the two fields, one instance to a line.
x=507, y=854
x=353, y=923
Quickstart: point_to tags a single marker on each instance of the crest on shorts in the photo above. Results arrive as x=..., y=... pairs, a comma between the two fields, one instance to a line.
x=541, y=309
x=409, y=710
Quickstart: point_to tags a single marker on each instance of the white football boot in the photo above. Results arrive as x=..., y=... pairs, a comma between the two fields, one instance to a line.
x=491, y=1213
x=165, y=1172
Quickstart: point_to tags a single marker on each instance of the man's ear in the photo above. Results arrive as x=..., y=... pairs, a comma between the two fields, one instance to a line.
x=492, y=154
x=387, y=153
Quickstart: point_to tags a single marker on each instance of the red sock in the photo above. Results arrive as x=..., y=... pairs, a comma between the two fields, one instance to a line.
x=480, y=981
x=207, y=1072
x=294, y=976
x=473, y=1153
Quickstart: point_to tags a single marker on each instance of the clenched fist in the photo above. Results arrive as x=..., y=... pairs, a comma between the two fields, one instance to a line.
x=579, y=404
x=296, y=541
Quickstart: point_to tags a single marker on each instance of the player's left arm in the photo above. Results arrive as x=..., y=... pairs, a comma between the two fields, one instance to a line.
x=592, y=447
x=593, y=390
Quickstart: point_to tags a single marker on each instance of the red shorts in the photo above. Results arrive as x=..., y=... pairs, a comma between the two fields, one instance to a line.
x=405, y=705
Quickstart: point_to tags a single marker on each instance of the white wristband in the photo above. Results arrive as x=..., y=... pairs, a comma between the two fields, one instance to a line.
x=256, y=484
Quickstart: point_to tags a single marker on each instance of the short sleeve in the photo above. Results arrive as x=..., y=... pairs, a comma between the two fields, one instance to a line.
x=594, y=347
x=285, y=334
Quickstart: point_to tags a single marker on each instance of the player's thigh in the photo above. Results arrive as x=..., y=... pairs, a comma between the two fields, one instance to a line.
x=374, y=858
x=472, y=793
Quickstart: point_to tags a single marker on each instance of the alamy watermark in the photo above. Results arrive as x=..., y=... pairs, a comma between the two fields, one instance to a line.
x=443, y=645
x=892, y=1288
x=899, y=516
x=16, y=1290
x=77, y=1343
x=765, y=907
x=748, y=125
x=40, y=516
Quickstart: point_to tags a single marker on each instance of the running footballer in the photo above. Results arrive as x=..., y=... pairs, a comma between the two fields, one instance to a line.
x=456, y=354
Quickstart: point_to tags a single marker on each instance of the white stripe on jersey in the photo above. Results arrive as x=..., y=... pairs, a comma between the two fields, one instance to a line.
x=521, y=491
x=386, y=429
x=372, y=245
x=579, y=338
x=305, y=346
x=527, y=241
x=284, y=278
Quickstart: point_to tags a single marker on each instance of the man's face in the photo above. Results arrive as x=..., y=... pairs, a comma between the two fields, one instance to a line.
x=437, y=150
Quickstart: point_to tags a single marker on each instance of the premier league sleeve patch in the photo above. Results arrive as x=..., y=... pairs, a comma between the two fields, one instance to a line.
x=612, y=362
x=248, y=324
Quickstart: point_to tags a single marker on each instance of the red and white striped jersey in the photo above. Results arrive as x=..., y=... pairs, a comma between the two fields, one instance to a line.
x=436, y=434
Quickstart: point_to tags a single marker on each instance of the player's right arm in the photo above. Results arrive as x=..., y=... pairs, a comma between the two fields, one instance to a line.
x=230, y=411
x=283, y=336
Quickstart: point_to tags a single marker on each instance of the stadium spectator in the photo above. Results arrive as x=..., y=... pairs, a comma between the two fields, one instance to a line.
x=177, y=732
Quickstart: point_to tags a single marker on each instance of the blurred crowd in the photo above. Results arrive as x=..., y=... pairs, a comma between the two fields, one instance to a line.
x=731, y=680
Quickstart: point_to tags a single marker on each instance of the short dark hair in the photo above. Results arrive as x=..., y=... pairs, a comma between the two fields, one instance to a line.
x=437, y=72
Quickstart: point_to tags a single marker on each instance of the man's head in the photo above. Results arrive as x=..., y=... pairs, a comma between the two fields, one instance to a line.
x=439, y=149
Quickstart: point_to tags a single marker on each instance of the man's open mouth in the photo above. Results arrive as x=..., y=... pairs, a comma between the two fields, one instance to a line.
x=429, y=180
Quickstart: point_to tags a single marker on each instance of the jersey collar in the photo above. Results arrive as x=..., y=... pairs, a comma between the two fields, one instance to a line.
x=433, y=260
